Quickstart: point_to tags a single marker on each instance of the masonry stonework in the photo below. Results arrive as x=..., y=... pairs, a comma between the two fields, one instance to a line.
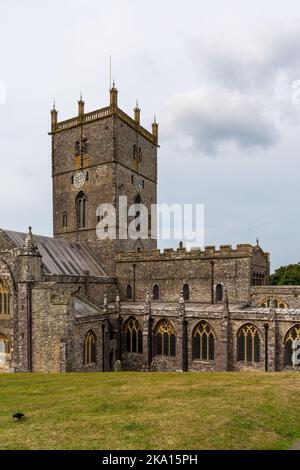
x=78, y=303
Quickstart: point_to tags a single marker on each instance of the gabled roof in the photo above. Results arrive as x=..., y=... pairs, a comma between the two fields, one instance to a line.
x=61, y=257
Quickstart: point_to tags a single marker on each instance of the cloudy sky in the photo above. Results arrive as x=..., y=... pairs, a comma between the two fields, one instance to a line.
x=222, y=76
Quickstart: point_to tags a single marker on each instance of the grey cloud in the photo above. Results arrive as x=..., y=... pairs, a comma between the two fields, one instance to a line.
x=208, y=121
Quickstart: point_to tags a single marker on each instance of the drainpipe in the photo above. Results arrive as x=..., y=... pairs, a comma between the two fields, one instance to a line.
x=266, y=326
x=185, y=346
x=212, y=282
x=149, y=342
x=29, y=326
x=103, y=348
x=133, y=297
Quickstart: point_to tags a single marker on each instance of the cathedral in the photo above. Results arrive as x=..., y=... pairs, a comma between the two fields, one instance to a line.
x=74, y=302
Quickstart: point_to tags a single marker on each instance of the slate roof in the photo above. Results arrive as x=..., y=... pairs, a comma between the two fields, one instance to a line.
x=83, y=307
x=61, y=257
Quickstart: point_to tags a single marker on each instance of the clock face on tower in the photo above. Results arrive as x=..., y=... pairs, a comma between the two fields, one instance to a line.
x=79, y=180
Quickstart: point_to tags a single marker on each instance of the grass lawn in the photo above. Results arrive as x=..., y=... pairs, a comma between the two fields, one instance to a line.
x=150, y=410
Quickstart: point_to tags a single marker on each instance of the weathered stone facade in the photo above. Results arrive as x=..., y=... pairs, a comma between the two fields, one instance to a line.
x=77, y=303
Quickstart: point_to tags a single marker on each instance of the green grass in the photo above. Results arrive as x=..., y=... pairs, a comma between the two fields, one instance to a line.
x=150, y=411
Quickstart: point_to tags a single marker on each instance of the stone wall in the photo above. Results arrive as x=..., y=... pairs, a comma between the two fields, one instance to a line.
x=272, y=325
x=288, y=294
x=199, y=269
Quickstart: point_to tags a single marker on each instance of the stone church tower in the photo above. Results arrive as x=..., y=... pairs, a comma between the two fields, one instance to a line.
x=96, y=158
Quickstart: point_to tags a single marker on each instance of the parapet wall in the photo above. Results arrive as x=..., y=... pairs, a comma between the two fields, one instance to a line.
x=225, y=251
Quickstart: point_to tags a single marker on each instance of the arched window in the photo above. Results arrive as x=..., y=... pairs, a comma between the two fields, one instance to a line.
x=4, y=298
x=155, y=292
x=219, y=293
x=273, y=302
x=90, y=352
x=165, y=339
x=85, y=145
x=81, y=210
x=4, y=344
x=292, y=335
x=128, y=292
x=186, y=292
x=134, y=336
x=203, y=342
x=64, y=219
x=137, y=201
x=4, y=348
x=248, y=344
x=77, y=148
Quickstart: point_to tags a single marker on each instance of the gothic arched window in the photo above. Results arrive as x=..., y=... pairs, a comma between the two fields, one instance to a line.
x=4, y=348
x=4, y=344
x=128, y=292
x=134, y=336
x=292, y=335
x=248, y=344
x=273, y=302
x=81, y=210
x=203, y=342
x=186, y=292
x=90, y=351
x=165, y=339
x=4, y=298
x=219, y=293
x=155, y=292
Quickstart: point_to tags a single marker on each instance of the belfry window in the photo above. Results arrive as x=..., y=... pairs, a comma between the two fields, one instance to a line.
x=85, y=145
x=81, y=210
x=90, y=352
x=165, y=339
x=134, y=336
x=292, y=335
x=248, y=344
x=77, y=148
x=4, y=298
x=137, y=202
x=203, y=342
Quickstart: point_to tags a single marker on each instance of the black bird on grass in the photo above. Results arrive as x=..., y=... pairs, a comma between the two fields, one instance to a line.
x=18, y=416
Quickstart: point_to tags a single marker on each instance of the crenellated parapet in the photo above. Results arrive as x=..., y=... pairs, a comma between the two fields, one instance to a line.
x=224, y=251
